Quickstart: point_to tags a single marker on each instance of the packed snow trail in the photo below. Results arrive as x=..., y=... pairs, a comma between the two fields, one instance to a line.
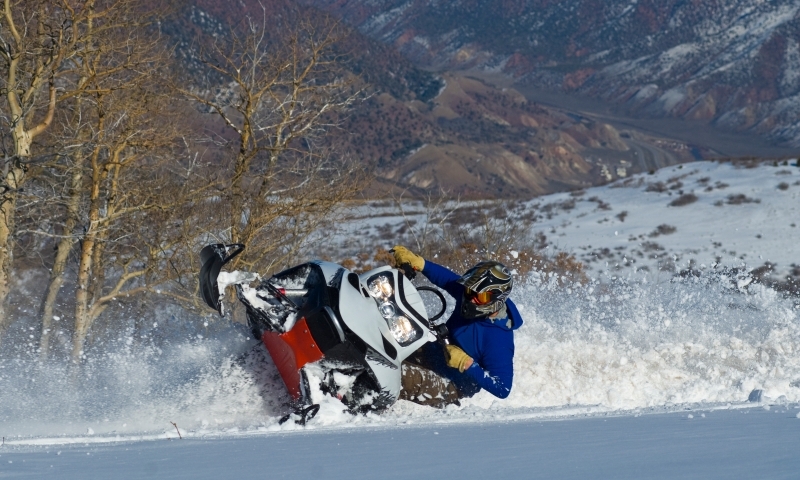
x=719, y=444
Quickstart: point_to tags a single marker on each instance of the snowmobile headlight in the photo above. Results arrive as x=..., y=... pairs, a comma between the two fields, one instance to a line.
x=381, y=287
x=402, y=330
x=387, y=310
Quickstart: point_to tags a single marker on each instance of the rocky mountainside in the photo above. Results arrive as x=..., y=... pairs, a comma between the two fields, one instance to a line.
x=420, y=131
x=733, y=63
x=476, y=140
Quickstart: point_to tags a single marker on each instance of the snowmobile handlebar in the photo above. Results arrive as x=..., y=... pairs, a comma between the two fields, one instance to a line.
x=407, y=270
x=440, y=330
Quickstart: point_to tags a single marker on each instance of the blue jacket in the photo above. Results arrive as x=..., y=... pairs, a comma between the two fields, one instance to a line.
x=490, y=342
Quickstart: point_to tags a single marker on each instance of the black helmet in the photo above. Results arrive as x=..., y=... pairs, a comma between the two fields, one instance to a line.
x=487, y=286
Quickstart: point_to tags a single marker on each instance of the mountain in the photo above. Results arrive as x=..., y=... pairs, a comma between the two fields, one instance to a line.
x=420, y=130
x=731, y=63
x=476, y=140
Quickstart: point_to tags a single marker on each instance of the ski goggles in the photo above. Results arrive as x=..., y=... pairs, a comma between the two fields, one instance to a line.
x=479, y=298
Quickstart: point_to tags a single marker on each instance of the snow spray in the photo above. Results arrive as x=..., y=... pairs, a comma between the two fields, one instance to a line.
x=619, y=344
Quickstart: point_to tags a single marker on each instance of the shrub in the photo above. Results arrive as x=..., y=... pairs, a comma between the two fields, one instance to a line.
x=601, y=205
x=663, y=229
x=459, y=237
x=740, y=199
x=652, y=247
x=684, y=199
x=658, y=187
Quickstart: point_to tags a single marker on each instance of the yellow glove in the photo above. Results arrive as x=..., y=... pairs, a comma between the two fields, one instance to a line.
x=403, y=255
x=457, y=358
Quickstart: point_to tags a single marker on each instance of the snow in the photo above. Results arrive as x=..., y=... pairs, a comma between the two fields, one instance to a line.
x=382, y=20
x=712, y=444
x=671, y=98
x=638, y=373
x=646, y=92
x=674, y=55
x=709, y=231
x=232, y=278
x=790, y=79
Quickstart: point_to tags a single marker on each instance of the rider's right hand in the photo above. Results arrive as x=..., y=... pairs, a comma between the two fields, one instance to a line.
x=457, y=358
x=403, y=255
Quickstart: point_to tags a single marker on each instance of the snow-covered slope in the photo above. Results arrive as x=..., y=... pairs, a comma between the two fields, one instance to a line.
x=629, y=341
x=700, y=215
x=707, y=445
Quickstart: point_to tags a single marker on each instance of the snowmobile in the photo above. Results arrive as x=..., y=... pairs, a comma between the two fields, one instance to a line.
x=330, y=331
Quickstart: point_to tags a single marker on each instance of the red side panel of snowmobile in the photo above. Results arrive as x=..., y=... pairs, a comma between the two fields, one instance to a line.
x=290, y=351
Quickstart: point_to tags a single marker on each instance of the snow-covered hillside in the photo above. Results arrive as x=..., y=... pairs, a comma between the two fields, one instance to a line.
x=698, y=215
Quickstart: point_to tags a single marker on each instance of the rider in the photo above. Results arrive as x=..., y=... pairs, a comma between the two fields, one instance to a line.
x=481, y=352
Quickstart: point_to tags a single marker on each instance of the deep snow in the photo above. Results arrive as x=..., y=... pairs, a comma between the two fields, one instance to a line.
x=633, y=341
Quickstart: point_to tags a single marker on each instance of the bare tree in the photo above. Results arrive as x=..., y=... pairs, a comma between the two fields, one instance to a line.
x=42, y=46
x=459, y=234
x=32, y=51
x=125, y=180
x=115, y=183
x=428, y=231
x=279, y=96
x=120, y=54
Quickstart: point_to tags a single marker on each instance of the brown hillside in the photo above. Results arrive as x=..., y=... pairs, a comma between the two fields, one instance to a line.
x=480, y=141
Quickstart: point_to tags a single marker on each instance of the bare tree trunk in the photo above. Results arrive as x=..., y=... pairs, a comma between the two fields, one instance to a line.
x=51, y=294
x=14, y=179
x=8, y=205
x=31, y=56
x=82, y=321
x=60, y=263
x=86, y=256
x=237, y=192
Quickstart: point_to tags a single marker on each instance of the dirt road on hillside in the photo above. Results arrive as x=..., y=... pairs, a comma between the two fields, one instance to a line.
x=697, y=134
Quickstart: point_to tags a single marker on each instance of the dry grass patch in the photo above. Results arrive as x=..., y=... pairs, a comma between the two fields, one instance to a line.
x=459, y=237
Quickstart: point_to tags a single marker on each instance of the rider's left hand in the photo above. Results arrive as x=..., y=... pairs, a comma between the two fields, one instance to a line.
x=402, y=255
